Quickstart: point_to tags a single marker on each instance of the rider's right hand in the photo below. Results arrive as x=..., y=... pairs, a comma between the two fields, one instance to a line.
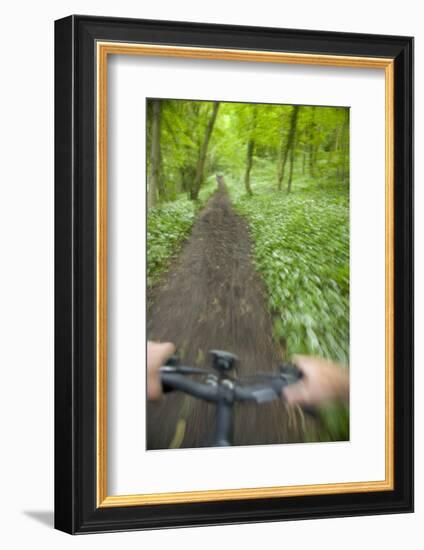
x=322, y=382
x=157, y=355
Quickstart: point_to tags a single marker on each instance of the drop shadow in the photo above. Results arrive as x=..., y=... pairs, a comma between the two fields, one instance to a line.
x=46, y=517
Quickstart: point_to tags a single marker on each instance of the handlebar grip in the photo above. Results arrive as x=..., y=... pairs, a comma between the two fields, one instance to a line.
x=290, y=372
x=166, y=387
x=293, y=374
x=172, y=361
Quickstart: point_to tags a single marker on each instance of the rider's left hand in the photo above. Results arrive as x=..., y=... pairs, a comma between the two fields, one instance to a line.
x=157, y=355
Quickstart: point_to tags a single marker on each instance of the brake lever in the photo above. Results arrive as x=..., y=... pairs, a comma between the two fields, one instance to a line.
x=264, y=394
x=181, y=369
x=173, y=366
x=172, y=361
x=289, y=374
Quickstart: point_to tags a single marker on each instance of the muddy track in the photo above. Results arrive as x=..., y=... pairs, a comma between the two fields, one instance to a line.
x=211, y=297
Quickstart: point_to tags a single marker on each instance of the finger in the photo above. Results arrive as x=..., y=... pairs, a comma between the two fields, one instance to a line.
x=154, y=388
x=310, y=365
x=297, y=394
x=311, y=362
x=304, y=364
x=165, y=351
x=305, y=361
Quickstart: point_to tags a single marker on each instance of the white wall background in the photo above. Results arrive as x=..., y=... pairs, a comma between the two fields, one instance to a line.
x=26, y=273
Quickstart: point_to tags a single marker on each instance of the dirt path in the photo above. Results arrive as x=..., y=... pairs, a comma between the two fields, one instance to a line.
x=210, y=298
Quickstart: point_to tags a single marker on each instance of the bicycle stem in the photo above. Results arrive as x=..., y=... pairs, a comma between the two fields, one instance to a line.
x=223, y=436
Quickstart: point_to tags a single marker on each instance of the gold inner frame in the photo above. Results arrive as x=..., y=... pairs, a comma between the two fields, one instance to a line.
x=103, y=50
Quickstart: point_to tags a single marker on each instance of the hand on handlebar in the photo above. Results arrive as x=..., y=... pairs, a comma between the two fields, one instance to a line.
x=322, y=382
x=157, y=355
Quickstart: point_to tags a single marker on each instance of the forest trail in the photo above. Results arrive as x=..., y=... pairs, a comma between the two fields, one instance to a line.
x=212, y=298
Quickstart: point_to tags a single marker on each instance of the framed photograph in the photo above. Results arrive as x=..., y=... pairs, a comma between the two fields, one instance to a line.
x=234, y=274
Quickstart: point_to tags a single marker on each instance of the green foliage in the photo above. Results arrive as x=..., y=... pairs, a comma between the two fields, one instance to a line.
x=321, y=144
x=182, y=129
x=168, y=225
x=301, y=237
x=334, y=422
x=301, y=249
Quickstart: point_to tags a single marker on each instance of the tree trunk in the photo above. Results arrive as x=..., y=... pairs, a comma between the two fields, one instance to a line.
x=312, y=157
x=345, y=148
x=249, y=161
x=155, y=156
x=161, y=187
x=282, y=165
x=202, y=154
x=289, y=183
x=304, y=160
x=289, y=146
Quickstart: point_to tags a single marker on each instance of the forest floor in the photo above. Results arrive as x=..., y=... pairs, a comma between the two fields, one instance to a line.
x=211, y=297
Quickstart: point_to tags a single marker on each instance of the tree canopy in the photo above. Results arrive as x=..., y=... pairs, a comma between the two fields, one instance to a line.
x=188, y=141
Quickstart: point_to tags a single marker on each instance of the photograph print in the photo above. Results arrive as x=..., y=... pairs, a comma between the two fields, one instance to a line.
x=247, y=273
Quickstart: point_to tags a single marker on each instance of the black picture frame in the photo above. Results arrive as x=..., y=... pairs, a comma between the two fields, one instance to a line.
x=76, y=509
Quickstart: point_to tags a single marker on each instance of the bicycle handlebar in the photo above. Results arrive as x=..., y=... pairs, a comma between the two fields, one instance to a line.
x=263, y=388
x=224, y=391
x=175, y=381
